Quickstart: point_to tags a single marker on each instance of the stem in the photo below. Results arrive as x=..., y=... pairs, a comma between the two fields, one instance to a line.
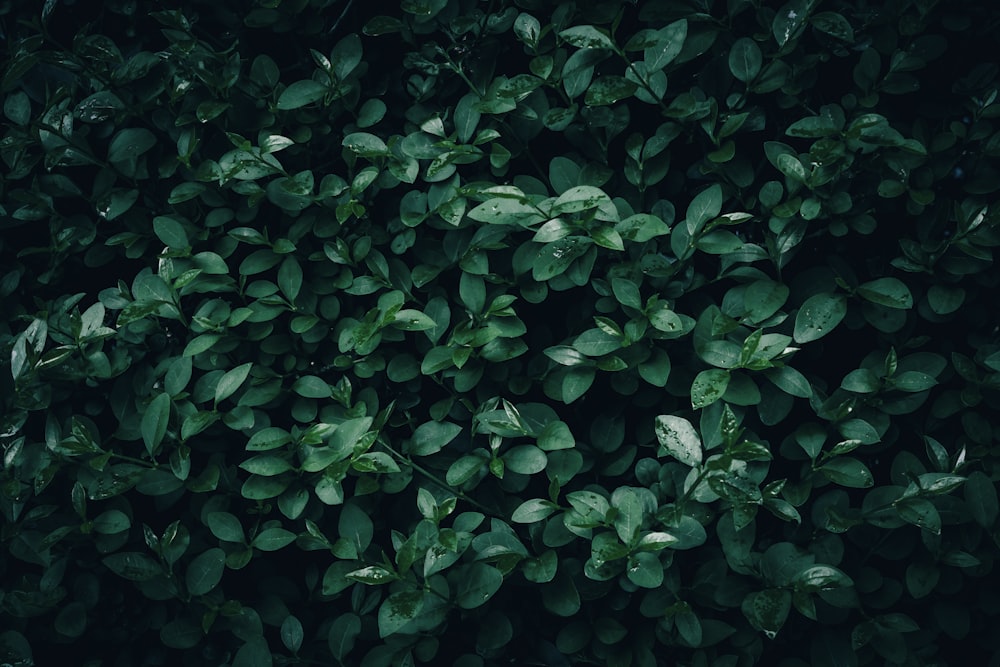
x=687, y=494
x=437, y=480
x=137, y=461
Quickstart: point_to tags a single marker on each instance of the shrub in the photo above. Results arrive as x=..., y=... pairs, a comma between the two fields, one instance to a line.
x=466, y=333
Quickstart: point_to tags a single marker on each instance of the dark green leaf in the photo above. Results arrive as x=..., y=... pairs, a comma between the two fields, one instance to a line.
x=889, y=292
x=669, y=41
x=431, y=437
x=767, y=610
x=708, y=387
x=609, y=89
x=678, y=438
x=133, y=566
x=587, y=37
x=130, y=143
x=478, y=584
x=745, y=59
x=231, y=381
x=531, y=511
x=301, y=93
x=397, y=610
x=819, y=315
x=155, y=421
x=205, y=572
x=849, y=472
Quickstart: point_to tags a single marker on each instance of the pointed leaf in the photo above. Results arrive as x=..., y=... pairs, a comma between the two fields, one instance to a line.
x=678, y=438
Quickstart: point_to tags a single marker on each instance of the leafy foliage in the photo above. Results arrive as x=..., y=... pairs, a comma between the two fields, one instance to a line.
x=459, y=333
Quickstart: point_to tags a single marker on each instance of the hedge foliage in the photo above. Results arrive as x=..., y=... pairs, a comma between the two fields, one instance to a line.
x=454, y=332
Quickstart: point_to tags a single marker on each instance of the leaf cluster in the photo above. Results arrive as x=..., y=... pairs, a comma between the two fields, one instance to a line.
x=458, y=333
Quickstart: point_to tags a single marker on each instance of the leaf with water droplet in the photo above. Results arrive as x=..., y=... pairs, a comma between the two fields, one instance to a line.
x=397, y=610
x=678, y=438
x=506, y=211
x=767, y=610
x=130, y=143
x=477, y=584
x=888, y=292
x=555, y=257
x=99, y=107
x=818, y=316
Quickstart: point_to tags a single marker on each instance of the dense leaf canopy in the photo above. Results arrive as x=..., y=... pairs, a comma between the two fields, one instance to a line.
x=453, y=332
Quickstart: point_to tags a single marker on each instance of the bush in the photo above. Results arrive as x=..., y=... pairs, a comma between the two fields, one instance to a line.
x=466, y=333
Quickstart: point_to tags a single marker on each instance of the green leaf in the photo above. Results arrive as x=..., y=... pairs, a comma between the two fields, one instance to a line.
x=645, y=570
x=17, y=107
x=849, y=472
x=181, y=633
x=372, y=575
x=465, y=469
x=669, y=41
x=555, y=436
x=889, y=292
x=767, y=610
x=525, y=460
x=587, y=37
x=981, y=498
x=506, y=211
x=205, y=572
x=678, y=438
x=259, y=487
x=705, y=206
x=920, y=512
x=431, y=437
x=821, y=577
x=290, y=277
x=272, y=539
x=812, y=127
x=631, y=513
x=835, y=25
x=479, y=582
x=231, y=381
x=945, y=299
x=609, y=89
x=656, y=369
x=226, y=527
x=596, y=342
x=913, y=381
x=664, y=319
x=576, y=382
x=819, y=315
x=292, y=633
x=170, y=232
x=745, y=59
x=534, y=510
x=130, y=143
x=133, y=566
x=397, y=610
x=541, y=570
x=790, y=20
x=311, y=386
x=708, y=387
x=271, y=437
x=155, y=421
x=790, y=381
x=763, y=298
x=365, y=144
x=111, y=522
x=254, y=653
x=409, y=319
x=344, y=631
x=555, y=257
x=301, y=93
x=689, y=627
